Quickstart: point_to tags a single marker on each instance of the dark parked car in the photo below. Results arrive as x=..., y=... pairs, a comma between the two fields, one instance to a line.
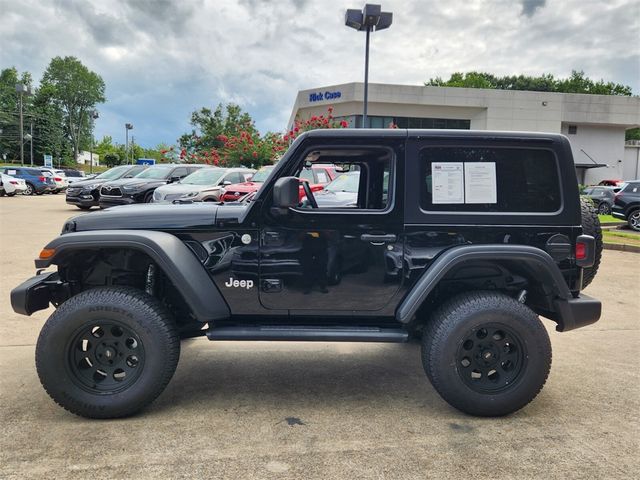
x=86, y=193
x=626, y=205
x=602, y=197
x=464, y=239
x=36, y=181
x=140, y=188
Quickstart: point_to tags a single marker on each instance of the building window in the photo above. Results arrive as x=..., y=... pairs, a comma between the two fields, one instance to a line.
x=413, y=122
x=573, y=129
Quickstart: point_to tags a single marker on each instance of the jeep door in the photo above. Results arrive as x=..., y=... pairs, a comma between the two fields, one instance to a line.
x=337, y=260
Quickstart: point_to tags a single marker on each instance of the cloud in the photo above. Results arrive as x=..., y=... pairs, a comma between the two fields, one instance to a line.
x=529, y=7
x=163, y=59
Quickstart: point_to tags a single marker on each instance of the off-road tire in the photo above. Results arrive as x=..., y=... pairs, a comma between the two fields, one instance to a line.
x=591, y=226
x=133, y=310
x=467, y=314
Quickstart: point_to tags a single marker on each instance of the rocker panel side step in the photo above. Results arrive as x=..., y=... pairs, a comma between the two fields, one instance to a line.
x=308, y=333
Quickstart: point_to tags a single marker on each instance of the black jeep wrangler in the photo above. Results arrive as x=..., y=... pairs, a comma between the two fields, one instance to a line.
x=459, y=238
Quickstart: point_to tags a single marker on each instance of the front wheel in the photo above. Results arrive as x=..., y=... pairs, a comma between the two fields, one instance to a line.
x=107, y=352
x=634, y=220
x=486, y=354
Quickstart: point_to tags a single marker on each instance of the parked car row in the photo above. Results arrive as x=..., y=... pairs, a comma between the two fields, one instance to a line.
x=626, y=204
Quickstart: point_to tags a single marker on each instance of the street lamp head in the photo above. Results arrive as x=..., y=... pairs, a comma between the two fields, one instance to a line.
x=95, y=114
x=128, y=126
x=371, y=17
x=23, y=89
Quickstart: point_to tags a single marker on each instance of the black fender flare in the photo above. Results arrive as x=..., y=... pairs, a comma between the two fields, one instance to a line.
x=175, y=259
x=538, y=261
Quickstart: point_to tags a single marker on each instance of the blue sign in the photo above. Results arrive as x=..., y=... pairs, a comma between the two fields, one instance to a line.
x=146, y=161
x=320, y=96
x=48, y=161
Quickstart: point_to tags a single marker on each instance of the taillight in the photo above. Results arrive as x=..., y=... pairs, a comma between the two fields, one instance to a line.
x=42, y=179
x=57, y=179
x=12, y=182
x=581, y=251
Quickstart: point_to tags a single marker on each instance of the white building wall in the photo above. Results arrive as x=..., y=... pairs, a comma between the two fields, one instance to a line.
x=631, y=165
x=603, y=144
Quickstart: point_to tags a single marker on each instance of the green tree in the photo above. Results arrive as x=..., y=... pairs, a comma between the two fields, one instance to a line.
x=577, y=82
x=111, y=159
x=76, y=91
x=228, y=120
x=9, y=112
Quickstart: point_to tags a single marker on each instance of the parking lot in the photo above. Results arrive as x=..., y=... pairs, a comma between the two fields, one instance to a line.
x=322, y=410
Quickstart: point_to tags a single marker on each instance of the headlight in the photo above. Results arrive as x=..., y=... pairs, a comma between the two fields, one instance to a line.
x=92, y=186
x=190, y=194
x=135, y=186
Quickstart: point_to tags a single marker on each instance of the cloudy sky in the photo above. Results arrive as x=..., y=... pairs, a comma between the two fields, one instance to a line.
x=162, y=59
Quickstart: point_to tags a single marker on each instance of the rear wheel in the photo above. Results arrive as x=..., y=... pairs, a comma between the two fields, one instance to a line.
x=107, y=352
x=486, y=354
x=591, y=226
x=30, y=190
x=12, y=194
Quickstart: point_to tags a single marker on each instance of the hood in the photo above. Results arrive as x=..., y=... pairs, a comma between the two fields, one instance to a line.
x=147, y=216
x=91, y=181
x=326, y=198
x=175, y=188
x=243, y=187
x=133, y=181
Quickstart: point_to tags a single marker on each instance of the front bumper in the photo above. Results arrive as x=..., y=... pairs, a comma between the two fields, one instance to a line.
x=84, y=200
x=106, y=202
x=35, y=294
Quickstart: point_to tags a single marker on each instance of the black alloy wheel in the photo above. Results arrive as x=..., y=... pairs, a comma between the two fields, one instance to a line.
x=105, y=357
x=490, y=358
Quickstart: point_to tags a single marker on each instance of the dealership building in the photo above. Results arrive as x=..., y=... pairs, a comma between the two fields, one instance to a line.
x=594, y=124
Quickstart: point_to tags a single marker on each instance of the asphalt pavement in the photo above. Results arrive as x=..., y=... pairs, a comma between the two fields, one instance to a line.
x=321, y=410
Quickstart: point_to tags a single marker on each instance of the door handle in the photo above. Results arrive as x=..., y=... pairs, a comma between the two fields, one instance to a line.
x=378, y=239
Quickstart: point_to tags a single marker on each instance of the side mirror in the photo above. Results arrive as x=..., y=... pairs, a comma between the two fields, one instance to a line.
x=286, y=194
x=174, y=179
x=226, y=183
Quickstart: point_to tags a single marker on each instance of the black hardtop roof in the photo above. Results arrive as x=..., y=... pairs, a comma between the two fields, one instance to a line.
x=433, y=133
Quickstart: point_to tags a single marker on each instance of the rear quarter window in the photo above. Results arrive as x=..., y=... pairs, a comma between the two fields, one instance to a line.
x=490, y=179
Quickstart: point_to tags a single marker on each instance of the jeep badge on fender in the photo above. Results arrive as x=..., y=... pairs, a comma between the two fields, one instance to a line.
x=461, y=239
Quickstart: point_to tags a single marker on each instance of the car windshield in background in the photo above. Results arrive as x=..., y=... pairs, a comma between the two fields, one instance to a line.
x=347, y=182
x=156, y=173
x=112, y=173
x=262, y=174
x=204, y=176
x=73, y=173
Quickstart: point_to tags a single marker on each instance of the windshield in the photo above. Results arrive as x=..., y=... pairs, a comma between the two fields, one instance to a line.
x=347, y=182
x=112, y=173
x=205, y=176
x=157, y=173
x=262, y=174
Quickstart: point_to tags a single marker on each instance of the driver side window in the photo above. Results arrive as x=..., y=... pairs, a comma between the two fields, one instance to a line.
x=362, y=181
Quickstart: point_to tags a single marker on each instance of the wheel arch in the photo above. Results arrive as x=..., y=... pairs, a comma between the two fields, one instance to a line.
x=167, y=251
x=533, y=264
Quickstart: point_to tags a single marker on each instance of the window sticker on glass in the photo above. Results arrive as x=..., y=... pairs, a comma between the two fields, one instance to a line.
x=480, y=182
x=448, y=182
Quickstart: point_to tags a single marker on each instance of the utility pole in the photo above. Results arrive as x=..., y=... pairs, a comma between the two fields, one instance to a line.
x=127, y=127
x=94, y=116
x=31, y=142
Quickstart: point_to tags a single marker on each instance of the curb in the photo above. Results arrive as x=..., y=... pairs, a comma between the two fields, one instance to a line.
x=622, y=247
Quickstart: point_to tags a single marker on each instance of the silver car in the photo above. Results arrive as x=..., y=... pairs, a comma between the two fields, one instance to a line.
x=204, y=185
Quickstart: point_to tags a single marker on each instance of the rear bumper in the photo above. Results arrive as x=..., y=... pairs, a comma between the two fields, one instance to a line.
x=577, y=312
x=33, y=294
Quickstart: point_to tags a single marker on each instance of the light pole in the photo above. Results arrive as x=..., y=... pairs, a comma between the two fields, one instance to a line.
x=21, y=89
x=371, y=17
x=31, y=141
x=127, y=127
x=94, y=116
